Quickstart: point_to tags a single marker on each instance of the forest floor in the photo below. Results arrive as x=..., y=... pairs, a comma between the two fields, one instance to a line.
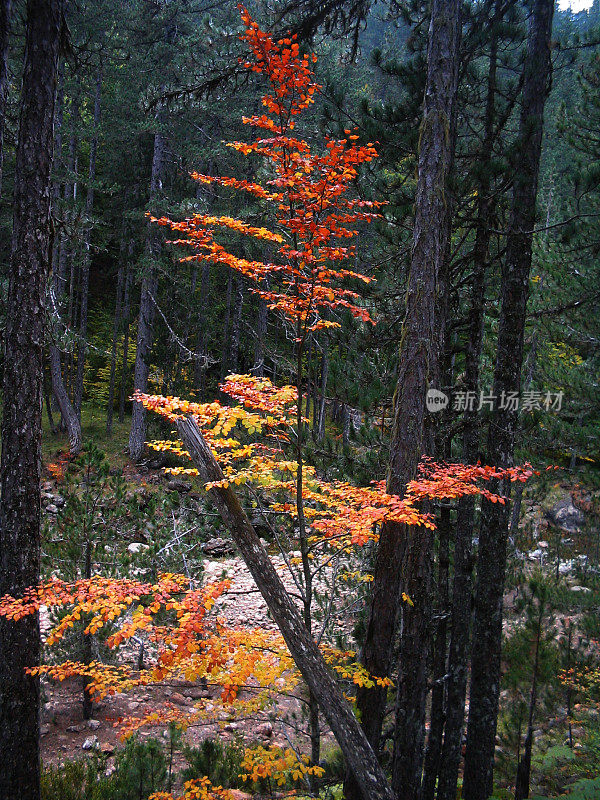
x=553, y=531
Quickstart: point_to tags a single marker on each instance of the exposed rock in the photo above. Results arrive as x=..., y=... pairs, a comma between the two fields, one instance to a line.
x=566, y=516
x=44, y=729
x=136, y=547
x=179, y=485
x=265, y=729
x=107, y=749
x=91, y=743
x=51, y=508
x=76, y=728
x=231, y=726
x=178, y=698
x=93, y=724
x=217, y=547
x=584, y=589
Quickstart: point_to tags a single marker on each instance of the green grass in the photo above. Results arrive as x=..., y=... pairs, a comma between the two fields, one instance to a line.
x=93, y=428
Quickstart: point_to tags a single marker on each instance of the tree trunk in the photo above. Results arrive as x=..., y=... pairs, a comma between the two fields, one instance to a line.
x=324, y=375
x=69, y=419
x=436, y=724
x=485, y=665
x=261, y=334
x=125, y=358
x=460, y=620
x=85, y=267
x=201, y=341
x=20, y=467
x=117, y=325
x=137, y=435
x=226, y=326
x=355, y=748
x=5, y=19
x=403, y=556
x=234, y=354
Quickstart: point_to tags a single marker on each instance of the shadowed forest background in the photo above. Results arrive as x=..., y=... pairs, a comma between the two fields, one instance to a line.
x=360, y=294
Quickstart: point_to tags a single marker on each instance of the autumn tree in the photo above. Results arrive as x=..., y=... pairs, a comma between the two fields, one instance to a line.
x=20, y=469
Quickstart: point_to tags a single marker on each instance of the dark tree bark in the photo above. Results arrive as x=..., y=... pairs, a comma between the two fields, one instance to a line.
x=403, y=557
x=20, y=467
x=234, y=353
x=487, y=633
x=460, y=619
x=226, y=326
x=261, y=334
x=5, y=20
x=125, y=354
x=69, y=419
x=355, y=748
x=323, y=388
x=84, y=286
x=117, y=325
x=436, y=725
x=201, y=341
x=137, y=435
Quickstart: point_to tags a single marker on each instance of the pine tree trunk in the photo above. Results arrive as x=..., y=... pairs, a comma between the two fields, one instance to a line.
x=404, y=557
x=460, y=619
x=117, y=325
x=436, y=724
x=485, y=664
x=201, y=341
x=125, y=355
x=234, y=354
x=226, y=349
x=137, y=435
x=85, y=267
x=323, y=388
x=69, y=419
x=20, y=467
x=261, y=333
x=5, y=20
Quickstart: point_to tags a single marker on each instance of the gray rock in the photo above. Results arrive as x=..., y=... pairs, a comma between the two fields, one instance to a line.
x=179, y=485
x=93, y=724
x=265, y=729
x=217, y=547
x=51, y=508
x=566, y=516
x=91, y=743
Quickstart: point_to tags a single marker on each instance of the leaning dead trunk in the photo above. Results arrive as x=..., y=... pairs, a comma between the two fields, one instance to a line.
x=355, y=748
x=20, y=466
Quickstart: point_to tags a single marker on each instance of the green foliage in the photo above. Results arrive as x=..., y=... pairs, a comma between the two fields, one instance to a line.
x=221, y=763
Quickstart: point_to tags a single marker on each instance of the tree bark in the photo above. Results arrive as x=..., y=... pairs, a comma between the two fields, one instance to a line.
x=5, y=20
x=403, y=556
x=485, y=665
x=460, y=620
x=355, y=748
x=201, y=341
x=117, y=325
x=69, y=419
x=125, y=355
x=85, y=267
x=137, y=435
x=20, y=466
x=261, y=334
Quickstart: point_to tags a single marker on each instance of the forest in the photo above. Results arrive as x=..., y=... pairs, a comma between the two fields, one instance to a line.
x=300, y=436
